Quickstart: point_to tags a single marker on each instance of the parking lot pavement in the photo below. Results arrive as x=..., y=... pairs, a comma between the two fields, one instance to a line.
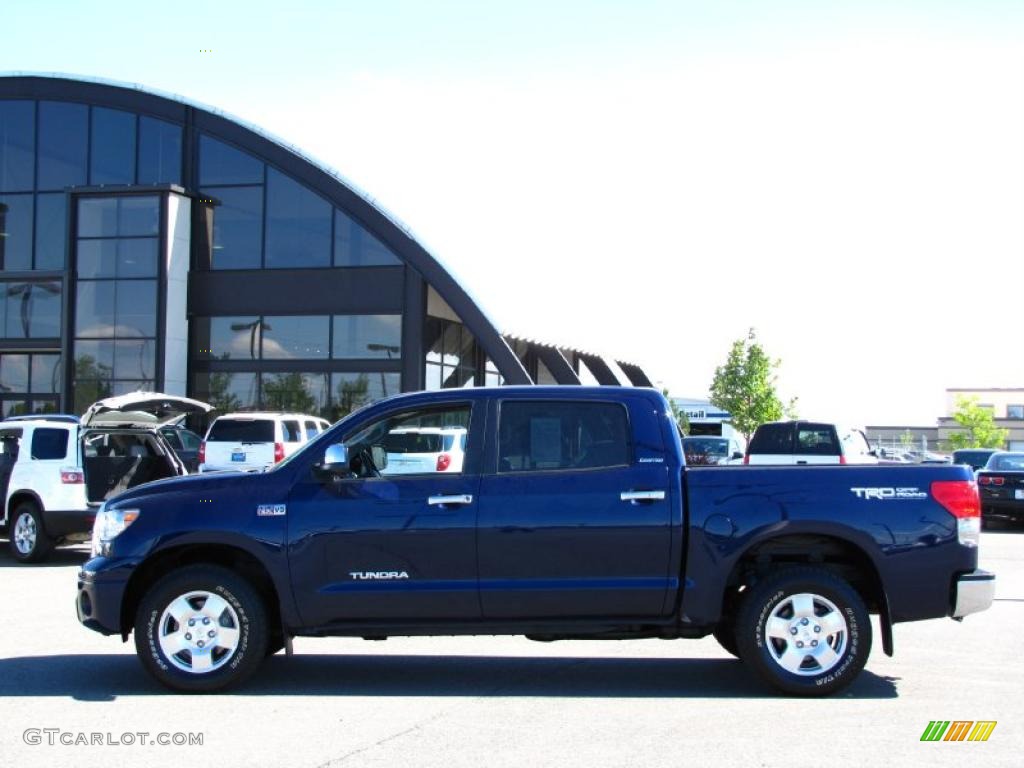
x=505, y=701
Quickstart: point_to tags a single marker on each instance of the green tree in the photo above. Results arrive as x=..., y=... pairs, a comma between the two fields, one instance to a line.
x=745, y=387
x=287, y=392
x=679, y=415
x=977, y=426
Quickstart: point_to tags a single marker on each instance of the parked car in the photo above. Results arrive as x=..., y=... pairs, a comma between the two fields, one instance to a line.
x=807, y=442
x=255, y=440
x=975, y=458
x=710, y=450
x=425, y=449
x=1001, y=485
x=574, y=517
x=55, y=471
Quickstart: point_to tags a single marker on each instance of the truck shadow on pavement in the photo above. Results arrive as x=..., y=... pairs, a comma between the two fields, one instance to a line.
x=105, y=677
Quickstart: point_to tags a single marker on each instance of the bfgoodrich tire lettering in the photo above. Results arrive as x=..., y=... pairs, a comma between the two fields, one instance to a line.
x=804, y=631
x=199, y=594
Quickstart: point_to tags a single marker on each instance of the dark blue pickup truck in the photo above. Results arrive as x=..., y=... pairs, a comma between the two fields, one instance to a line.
x=554, y=512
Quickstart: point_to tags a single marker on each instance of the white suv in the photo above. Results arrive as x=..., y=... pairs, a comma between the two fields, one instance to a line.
x=56, y=471
x=252, y=441
x=424, y=450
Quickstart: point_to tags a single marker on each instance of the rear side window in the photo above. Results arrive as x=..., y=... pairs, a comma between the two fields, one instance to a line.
x=242, y=431
x=538, y=436
x=311, y=430
x=292, y=431
x=171, y=436
x=49, y=443
x=772, y=438
x=816, y=440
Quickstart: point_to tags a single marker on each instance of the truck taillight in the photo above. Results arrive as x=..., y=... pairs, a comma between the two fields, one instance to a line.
x=746, y=458
x=72, y=476
x=278, y=452
x=202, y=452
x=443, y=462
x=960, y=499
x=842, y=459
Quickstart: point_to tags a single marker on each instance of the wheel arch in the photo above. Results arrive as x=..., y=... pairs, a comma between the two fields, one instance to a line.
x=20, y=495
x=234, y=558
x=840, y=555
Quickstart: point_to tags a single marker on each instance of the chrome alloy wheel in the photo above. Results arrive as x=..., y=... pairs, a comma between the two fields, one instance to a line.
x=806, y=634
x=199, y=632
x=25, y=534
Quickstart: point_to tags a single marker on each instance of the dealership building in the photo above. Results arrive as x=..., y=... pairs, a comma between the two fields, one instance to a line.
x=147, y=242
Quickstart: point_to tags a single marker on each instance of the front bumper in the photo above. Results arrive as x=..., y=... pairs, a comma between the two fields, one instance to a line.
x=973, y=592
x=100, y=593
x=59, y=523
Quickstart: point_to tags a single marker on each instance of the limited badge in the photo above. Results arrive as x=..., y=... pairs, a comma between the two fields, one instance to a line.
x=271, y=510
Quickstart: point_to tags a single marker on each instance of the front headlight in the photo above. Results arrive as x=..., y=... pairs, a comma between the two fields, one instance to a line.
x=109, y=523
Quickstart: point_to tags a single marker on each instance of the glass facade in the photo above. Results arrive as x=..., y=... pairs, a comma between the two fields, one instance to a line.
x=115, y=347
x=453, y=356
x=98, y=252
x=29, y=383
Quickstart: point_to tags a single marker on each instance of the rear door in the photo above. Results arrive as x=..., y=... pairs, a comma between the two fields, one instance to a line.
x=574, y=511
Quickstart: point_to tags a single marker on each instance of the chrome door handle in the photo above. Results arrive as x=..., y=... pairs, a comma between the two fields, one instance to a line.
x=457, y=500
x=635, y=496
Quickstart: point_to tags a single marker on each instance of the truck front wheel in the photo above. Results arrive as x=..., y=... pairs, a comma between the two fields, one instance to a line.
x=201, y=628
x=804, y=630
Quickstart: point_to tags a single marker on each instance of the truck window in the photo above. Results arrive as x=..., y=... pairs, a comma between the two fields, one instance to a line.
x=538, y=436
x=410, y=443
x=772, y=439
x=49, y=443
x=816, y=440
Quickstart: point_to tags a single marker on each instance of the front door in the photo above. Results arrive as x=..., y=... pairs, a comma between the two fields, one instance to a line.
x=389, y=543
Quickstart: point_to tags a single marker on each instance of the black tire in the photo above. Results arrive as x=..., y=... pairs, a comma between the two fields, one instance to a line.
x=777, y=659
x=29, y=540
x=244, y=616
x=725, y=634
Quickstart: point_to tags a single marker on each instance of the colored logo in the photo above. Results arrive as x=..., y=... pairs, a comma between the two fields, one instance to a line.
x=958, y=730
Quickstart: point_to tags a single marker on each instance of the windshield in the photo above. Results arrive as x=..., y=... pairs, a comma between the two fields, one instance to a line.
x=241, y=431
x=1006, y=462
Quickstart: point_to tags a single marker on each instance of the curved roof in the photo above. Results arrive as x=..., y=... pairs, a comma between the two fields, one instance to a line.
x=290, y=159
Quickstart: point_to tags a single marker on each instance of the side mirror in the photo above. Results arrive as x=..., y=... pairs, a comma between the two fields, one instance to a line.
x=335, y=460
x=736, y=455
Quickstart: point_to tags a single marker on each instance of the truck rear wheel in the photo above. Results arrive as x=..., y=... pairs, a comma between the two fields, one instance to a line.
x=28, y=538
x=201, y=628
x=804, y=630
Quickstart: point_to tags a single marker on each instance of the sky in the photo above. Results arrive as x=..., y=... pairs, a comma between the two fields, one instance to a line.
x=649, y=180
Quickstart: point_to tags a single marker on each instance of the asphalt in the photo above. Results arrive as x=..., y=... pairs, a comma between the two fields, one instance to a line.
x=492, y=701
